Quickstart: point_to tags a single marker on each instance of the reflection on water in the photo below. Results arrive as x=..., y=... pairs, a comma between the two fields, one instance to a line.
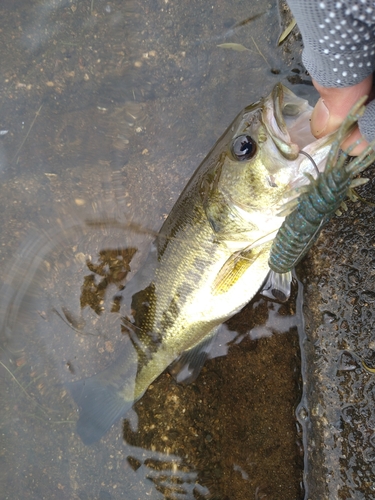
x=131, y=96
x=167, y=472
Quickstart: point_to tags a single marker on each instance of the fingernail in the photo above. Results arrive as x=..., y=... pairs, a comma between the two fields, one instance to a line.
x=319, y=118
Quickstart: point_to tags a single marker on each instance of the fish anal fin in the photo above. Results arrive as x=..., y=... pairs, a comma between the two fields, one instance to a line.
x=277, y=286
x=186, y=368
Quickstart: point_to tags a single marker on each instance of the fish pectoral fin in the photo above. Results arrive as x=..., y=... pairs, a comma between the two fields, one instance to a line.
x=237, y=264
x=100, y=404
x=186, y=368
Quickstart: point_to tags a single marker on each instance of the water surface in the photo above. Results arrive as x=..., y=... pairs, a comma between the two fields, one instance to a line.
x=109, y=107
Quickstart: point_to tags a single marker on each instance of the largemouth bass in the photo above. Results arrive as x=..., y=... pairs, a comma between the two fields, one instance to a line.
x=211, y=255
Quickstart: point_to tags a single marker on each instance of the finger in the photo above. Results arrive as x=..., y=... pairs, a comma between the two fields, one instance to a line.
x=355, y=136
x=334, y=105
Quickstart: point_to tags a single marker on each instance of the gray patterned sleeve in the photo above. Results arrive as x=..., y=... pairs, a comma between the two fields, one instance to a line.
x=339, y=44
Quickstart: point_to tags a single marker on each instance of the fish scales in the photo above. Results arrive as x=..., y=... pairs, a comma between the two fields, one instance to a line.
x=184, y=282
x=210, y=257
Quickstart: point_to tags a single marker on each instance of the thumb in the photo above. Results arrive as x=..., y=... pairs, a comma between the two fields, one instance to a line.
x=334, y=105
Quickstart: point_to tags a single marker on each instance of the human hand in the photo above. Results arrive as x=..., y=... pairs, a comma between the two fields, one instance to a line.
x=332, y=108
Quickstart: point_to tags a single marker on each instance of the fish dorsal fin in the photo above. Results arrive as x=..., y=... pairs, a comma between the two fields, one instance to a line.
x=139, y=329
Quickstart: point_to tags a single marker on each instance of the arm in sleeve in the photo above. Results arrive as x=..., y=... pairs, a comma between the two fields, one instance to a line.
x=367, y=122
x=339, y=45
x=338, y=38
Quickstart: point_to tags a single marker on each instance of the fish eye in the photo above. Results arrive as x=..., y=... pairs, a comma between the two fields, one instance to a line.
x=243, y=147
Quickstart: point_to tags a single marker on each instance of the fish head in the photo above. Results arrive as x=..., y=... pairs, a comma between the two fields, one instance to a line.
x=262, y=157
x=257, y=164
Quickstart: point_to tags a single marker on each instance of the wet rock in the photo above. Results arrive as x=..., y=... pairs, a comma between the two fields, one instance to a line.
x=338, y=390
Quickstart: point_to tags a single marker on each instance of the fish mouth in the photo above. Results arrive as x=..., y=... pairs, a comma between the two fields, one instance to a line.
x=277, y=98
x=279, y=112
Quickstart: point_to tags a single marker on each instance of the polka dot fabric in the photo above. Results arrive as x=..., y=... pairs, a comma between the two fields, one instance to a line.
x=339, y=45
x=339, y=39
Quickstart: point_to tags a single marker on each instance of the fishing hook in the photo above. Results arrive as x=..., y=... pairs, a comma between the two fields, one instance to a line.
x=311, y=159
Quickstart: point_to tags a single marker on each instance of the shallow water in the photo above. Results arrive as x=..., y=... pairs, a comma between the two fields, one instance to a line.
x=109, y=108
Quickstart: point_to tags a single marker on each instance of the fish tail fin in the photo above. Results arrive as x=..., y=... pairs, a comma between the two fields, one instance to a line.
x=278, y=286
x=100, y=405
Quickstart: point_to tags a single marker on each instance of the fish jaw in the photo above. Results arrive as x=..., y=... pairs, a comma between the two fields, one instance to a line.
x=288, y=122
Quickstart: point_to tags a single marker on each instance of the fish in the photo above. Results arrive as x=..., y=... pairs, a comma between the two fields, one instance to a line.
x=209, y=258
